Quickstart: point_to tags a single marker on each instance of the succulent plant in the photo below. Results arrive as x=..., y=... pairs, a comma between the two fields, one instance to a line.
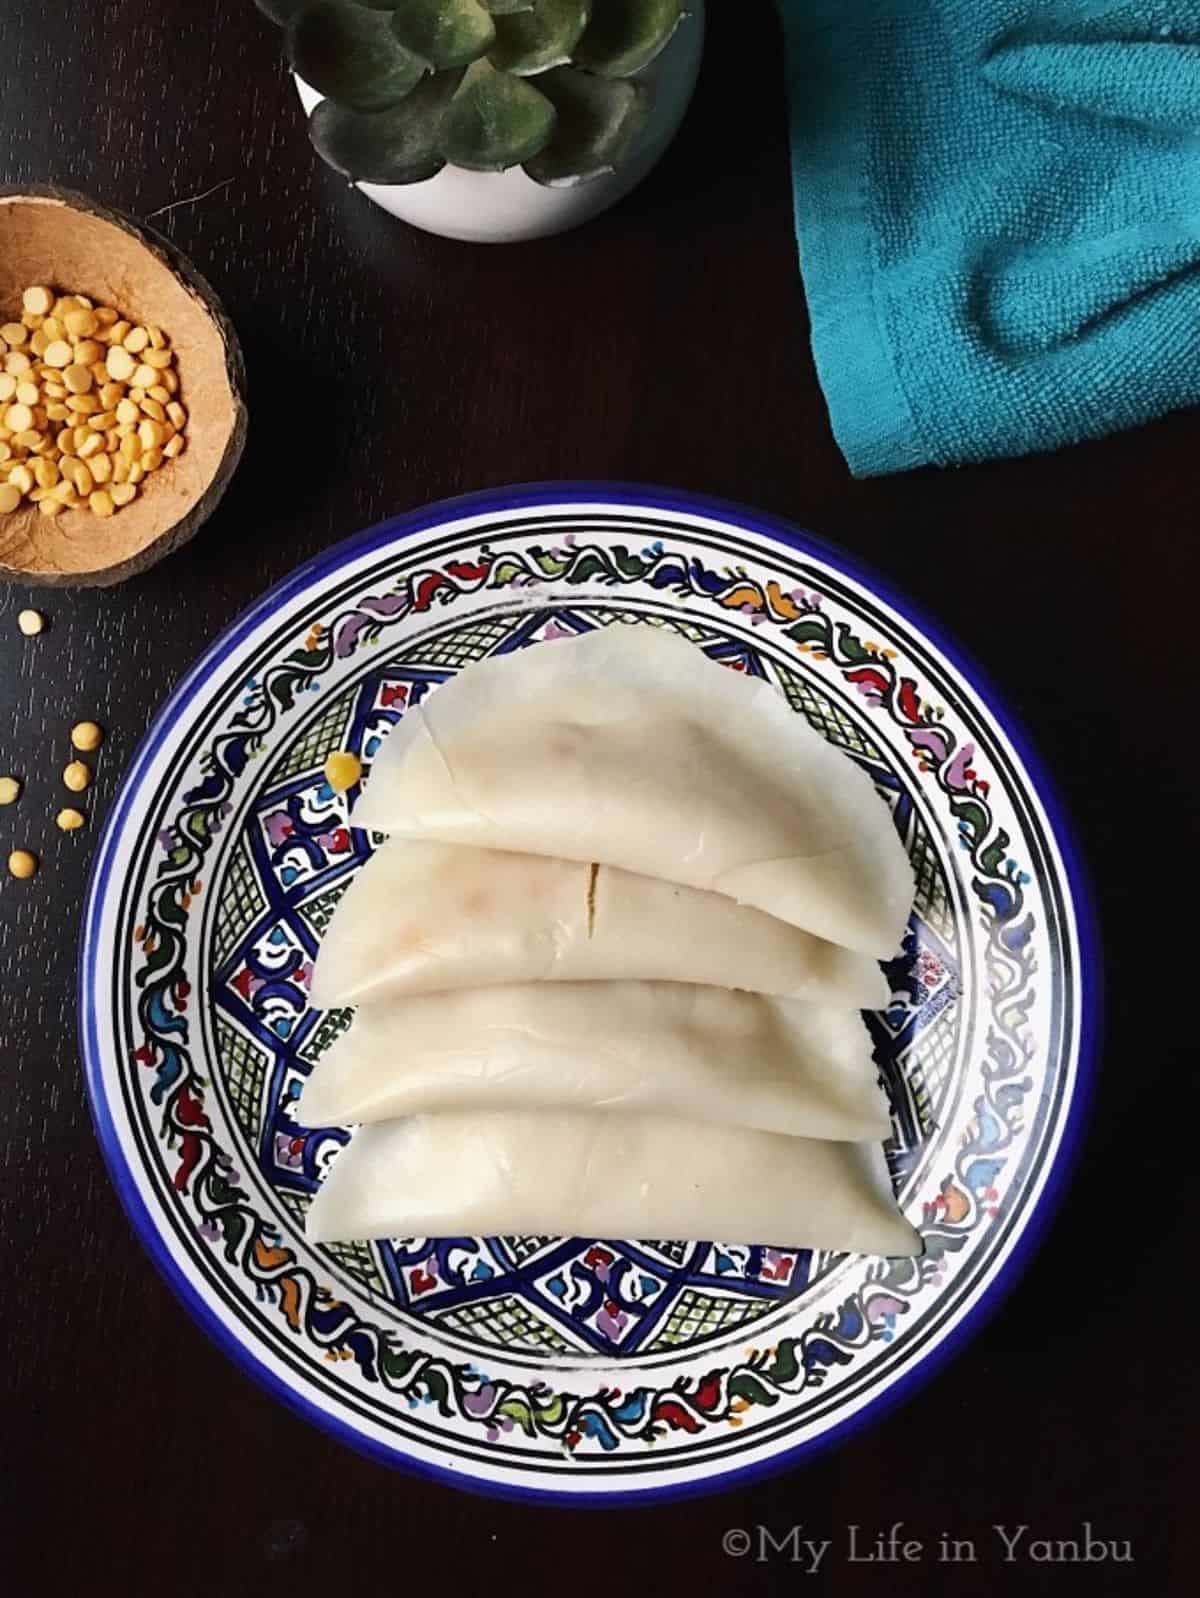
x=410, y=86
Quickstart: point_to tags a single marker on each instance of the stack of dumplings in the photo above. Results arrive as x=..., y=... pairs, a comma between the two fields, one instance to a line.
x=607, y=967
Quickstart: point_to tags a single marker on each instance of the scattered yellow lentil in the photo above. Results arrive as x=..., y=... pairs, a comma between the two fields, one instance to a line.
x=342, y=770
x=31, y=622
x=87, y=735
x=21, y=863
x=10, y=790
x=76, y=775
x=70, y=820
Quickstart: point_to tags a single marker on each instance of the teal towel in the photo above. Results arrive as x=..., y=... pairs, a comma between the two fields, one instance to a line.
x=998, y=213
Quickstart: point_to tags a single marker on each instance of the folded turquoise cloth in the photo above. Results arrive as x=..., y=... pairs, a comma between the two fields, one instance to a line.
x=998, y=212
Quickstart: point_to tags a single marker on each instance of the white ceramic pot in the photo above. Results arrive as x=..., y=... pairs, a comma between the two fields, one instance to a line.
x=503, y=207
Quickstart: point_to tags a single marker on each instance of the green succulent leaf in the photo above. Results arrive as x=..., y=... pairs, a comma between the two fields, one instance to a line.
x=495, y=121
x=505, y=8
x=528, y=42
x=350, y=53
x=447, y=33
x=598, y=119
x=399, y=145
x=625, y=35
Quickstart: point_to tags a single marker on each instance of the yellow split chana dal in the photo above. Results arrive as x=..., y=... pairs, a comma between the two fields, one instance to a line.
x=87, y=735
x=342, y=770
x=80, y=383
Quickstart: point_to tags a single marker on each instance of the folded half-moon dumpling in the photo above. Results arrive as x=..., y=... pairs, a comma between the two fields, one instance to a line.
x=710, y=1054
x=423, y=916
x=631, y=747
x=585, y=1174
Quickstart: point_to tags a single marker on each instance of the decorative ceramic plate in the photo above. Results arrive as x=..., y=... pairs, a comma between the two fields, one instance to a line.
x=581, y=1367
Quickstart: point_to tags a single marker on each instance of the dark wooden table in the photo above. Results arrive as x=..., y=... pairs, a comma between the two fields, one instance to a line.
x=666, y=343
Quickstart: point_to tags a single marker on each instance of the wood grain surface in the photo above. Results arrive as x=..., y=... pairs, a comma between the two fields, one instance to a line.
x=667, y=343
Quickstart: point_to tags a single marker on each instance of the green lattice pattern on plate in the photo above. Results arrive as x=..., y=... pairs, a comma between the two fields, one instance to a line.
x=669, y=1248
x=317, y=912
x=244, y=1070
x=694, y=634
x=454, y=650
x=922, y=1102
x=326, y=734
x=823, y=715
x=699, y=1315
x=358, y=1260
x=331, y=1026
x=522, y=1248
x=296, y=1204
x=240, y=906
x=932, y=900
x=506, y=1323
x=927, y=1066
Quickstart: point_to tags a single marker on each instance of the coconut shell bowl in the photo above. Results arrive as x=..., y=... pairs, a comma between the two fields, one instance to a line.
x=73, y=245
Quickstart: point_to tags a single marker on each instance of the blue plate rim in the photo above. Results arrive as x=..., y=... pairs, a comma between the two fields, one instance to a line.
x=667, y=501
